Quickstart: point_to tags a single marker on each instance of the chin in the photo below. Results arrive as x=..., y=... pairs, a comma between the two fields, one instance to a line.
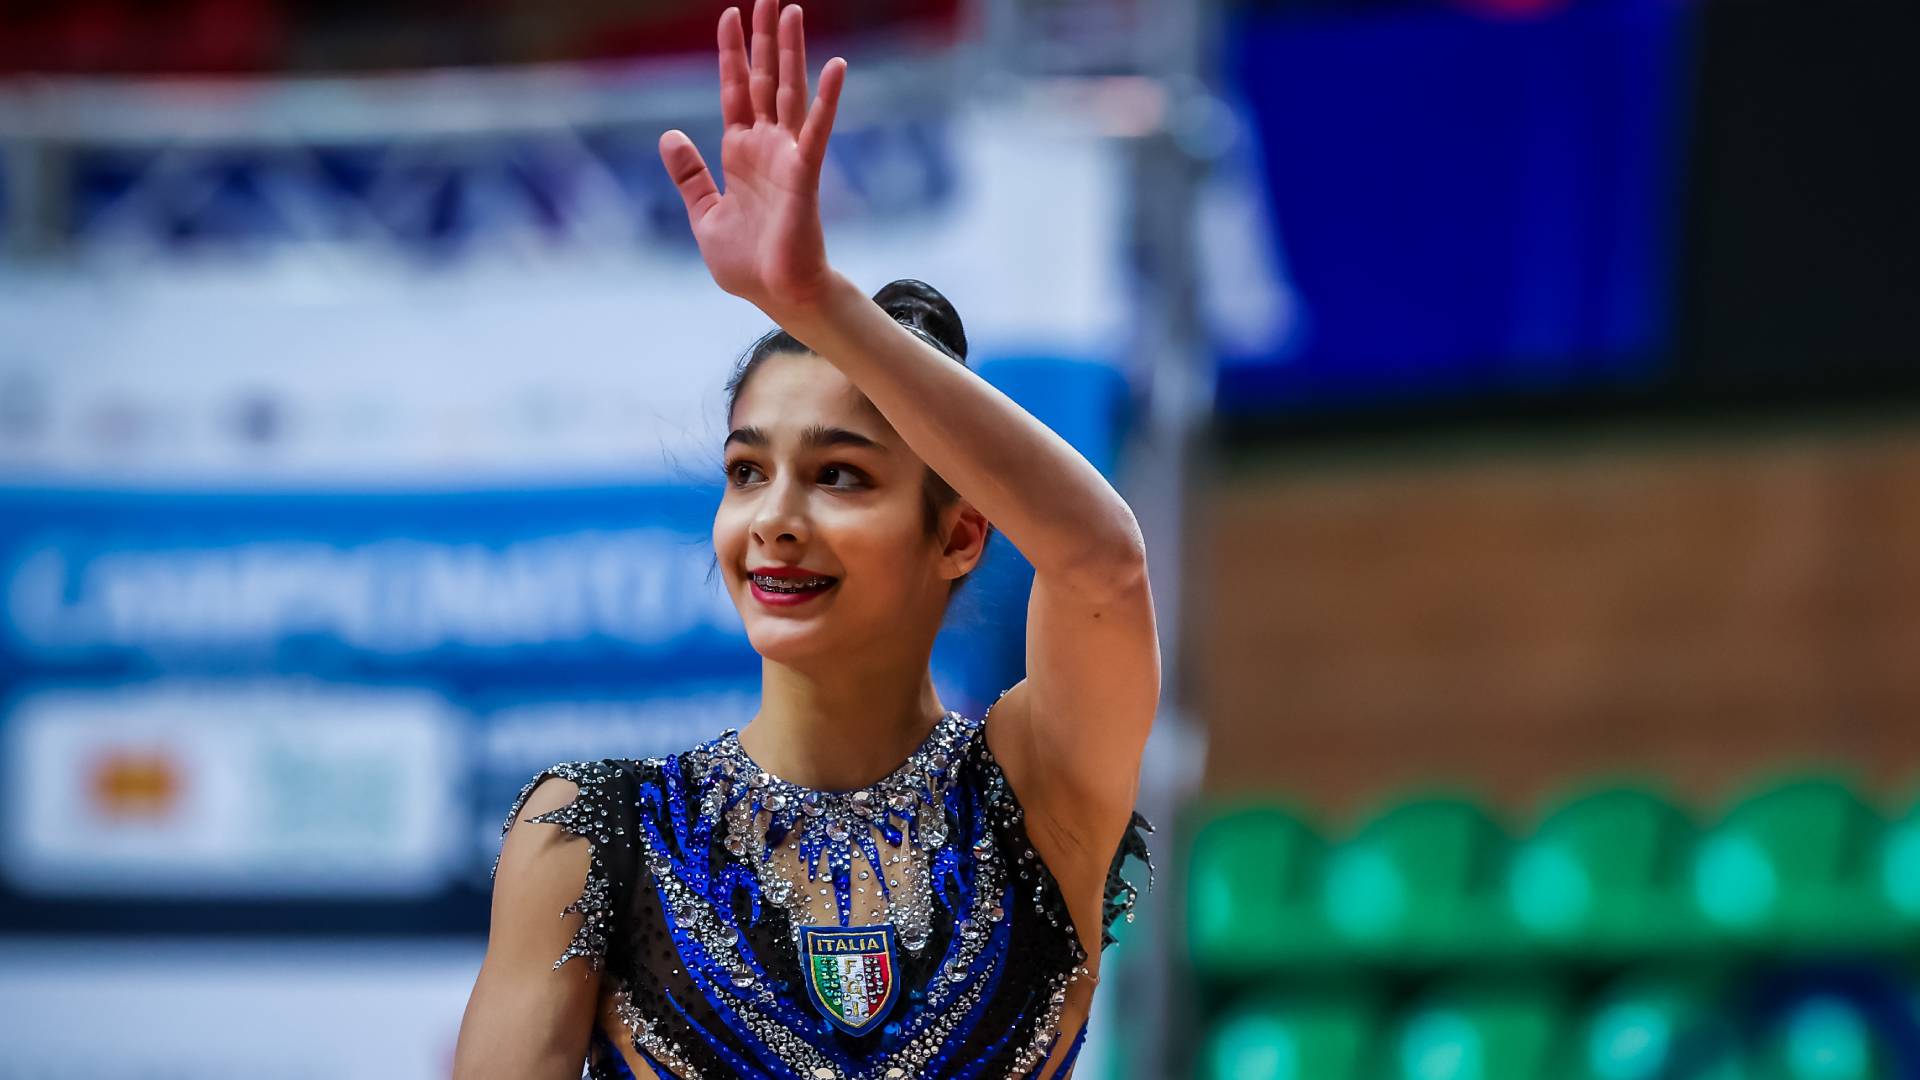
x=778, y=637
x=792, y=646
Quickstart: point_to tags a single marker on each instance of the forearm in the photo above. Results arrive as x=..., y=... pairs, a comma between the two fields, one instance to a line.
x=1032, y=484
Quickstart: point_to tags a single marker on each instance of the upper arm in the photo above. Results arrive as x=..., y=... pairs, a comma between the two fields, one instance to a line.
x=1079, y=720
x=525, y=1019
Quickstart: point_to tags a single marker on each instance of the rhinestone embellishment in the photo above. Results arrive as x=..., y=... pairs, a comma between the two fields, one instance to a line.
x=887, y=830
x=939, y=848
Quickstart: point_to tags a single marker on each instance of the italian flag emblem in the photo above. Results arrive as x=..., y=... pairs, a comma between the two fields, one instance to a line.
x=850, y=973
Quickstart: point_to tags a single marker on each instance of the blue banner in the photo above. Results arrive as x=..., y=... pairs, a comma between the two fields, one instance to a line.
x=1465, y=206
x=222, y=698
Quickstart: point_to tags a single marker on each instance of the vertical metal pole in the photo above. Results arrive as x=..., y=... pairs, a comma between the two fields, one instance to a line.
x=36, y=193
x=1170, y=368
x=1173, y=368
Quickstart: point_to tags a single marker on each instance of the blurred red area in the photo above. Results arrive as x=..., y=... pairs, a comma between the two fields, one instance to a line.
x=689, y=27
x=120, y=37
x=1512, y=8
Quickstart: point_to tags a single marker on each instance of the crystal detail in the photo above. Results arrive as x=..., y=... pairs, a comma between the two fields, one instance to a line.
x=934, y=829
x=720, y=801
x=583, y=817
x=827, y=840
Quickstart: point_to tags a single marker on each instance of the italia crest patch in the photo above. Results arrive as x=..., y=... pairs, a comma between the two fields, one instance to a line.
x=850, y=972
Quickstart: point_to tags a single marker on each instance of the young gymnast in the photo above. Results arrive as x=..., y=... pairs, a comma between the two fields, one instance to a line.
x=859, y=882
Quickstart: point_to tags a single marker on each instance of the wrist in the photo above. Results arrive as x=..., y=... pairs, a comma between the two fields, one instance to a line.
x=808, y=313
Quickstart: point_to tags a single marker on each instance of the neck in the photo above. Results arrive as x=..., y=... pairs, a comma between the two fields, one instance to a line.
x=842, y=725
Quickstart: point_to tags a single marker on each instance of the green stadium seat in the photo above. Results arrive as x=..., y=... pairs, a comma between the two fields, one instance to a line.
x=1313, y=1036
x=1252, y=878
x=1420, y=882
x=1603, y=874
x=1795, y=865
x=1823, y=1038
x=1651, y=1028
x=1468, y=1032
x=1900, y=868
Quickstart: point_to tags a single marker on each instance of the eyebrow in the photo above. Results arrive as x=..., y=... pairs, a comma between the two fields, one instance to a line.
x=815, y=435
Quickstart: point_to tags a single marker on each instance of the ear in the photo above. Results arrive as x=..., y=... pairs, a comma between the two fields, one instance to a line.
x=966, y=542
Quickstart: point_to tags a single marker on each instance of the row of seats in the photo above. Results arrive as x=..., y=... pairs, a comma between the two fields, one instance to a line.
x=1643, y=1027
x=1616, y=874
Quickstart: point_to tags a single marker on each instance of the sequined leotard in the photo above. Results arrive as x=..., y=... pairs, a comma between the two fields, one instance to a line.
x=748, y=927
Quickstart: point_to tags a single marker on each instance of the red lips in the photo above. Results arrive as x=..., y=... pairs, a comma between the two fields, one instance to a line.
x=787, y=599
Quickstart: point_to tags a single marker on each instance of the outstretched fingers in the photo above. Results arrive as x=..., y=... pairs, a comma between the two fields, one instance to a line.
x=765, y=59
x=690, y=174
x=736, y=103
x=791, y=98
x=819, y=125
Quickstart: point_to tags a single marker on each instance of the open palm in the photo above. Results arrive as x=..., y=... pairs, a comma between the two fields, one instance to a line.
x=762, y=239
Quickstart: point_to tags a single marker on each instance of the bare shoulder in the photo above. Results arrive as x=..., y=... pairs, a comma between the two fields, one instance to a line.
x=530, y=1014
x=543, y=868
x=550, y=793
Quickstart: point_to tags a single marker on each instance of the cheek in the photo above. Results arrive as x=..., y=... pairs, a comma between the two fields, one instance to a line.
x=728, y=535
x=883, y=545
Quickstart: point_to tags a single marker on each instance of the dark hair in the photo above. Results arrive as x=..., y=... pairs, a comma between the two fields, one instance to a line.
x=920, y=308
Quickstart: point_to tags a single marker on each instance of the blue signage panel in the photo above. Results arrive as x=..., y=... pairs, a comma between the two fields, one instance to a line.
x=214, y=702
x=1465, y=206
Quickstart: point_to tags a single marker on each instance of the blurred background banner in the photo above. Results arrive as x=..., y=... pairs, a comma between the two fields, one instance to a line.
x=1518, y=397
x=360, y=438
x=1466, y=206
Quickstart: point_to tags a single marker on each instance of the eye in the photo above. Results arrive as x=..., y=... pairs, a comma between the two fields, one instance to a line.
x=842, y=470
x=733, y=472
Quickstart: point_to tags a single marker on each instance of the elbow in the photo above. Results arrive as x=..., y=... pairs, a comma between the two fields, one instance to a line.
x=1125, y=548
x=1117, y=563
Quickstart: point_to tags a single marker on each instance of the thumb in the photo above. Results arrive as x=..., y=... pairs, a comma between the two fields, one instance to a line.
x=690, y=174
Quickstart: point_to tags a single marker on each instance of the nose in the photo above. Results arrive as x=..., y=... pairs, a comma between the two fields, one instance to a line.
x=781, y=513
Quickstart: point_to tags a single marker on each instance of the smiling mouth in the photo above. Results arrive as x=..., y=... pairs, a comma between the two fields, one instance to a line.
x=792, y=585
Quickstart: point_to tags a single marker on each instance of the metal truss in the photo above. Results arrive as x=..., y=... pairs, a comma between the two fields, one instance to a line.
x=525, y=162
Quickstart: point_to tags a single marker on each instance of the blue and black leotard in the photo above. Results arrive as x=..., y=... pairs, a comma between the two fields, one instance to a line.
x=745, y=926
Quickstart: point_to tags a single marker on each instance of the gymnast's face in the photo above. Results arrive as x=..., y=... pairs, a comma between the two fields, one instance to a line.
x=817, y=479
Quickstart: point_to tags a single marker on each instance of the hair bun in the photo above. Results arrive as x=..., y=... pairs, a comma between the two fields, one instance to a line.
x=920, y=305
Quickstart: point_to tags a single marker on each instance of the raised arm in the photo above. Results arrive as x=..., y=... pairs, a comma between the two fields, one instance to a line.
x=1080, y=718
